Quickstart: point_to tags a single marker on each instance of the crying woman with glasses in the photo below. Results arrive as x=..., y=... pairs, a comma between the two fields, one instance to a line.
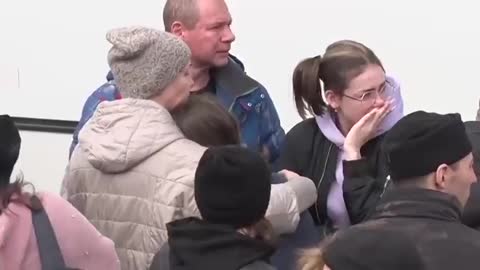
x=352, y=103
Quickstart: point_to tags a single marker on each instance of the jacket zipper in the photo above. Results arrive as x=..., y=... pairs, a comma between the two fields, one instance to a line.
x=321, y=179
x=385, y=186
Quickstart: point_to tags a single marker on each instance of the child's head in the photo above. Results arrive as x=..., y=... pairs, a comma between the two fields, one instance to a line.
x=206, y=122
x=232, y=187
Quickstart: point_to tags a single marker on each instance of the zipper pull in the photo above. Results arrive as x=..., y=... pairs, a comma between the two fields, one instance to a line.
x=387, y=182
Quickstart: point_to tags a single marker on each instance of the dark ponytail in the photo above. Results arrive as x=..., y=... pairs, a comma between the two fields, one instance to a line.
x=10, y=142
x=307, y=89
x=342, y=61
x=12, y=192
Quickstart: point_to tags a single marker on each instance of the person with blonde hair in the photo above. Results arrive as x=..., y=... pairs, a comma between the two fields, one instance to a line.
x=312, y=259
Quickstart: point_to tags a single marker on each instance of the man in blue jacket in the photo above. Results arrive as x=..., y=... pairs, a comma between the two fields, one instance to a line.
x=205, y=26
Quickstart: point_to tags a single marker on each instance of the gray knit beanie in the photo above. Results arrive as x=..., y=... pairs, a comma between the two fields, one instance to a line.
x=144, y=61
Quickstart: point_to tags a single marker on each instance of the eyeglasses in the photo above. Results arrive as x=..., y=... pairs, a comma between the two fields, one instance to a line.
x=371, y=96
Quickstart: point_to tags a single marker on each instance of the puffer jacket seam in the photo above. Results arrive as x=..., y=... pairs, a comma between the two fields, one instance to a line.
x=139, y=172
x=148, y=201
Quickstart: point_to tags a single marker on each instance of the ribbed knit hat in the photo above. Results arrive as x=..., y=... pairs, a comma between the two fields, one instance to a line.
x=144, y=60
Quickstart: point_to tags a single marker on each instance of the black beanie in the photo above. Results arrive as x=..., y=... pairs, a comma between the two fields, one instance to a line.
x=422, y=141
x=9, y=148
x=232, y=186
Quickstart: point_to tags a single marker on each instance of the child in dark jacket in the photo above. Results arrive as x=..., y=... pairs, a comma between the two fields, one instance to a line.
x=232, y=191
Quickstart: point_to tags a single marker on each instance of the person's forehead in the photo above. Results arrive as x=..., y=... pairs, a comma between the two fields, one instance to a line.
x=211, y=11
x=371, y=78
x=467, y=159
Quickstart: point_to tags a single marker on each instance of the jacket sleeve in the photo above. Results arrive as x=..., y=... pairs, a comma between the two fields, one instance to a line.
x=361, y=189
x=287, y=201
x=272, y=133
x=292, y=154
x=191, y=209
x=64, y=185
x=161, y=260
x=108, y=91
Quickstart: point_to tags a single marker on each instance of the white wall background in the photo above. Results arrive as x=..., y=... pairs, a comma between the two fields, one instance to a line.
x=43, y=159
x=53, y=55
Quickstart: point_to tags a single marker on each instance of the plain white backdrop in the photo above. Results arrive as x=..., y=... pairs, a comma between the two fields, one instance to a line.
x=53, y=55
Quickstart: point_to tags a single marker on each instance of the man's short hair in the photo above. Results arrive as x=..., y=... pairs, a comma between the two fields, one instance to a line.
x=184, y=11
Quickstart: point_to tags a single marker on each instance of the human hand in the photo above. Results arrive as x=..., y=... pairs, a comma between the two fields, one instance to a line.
x=365, y=129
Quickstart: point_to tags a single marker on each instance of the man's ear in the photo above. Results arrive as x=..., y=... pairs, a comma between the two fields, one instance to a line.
x=441, y=176
x=177, y=29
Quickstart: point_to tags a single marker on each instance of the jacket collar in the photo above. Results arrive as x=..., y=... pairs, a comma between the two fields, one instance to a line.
x=232, y=78
x=418, y=203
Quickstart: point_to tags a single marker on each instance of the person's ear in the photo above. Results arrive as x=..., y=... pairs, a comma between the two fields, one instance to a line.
x=332, y=99
x=441, y=177
x=177, y=29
